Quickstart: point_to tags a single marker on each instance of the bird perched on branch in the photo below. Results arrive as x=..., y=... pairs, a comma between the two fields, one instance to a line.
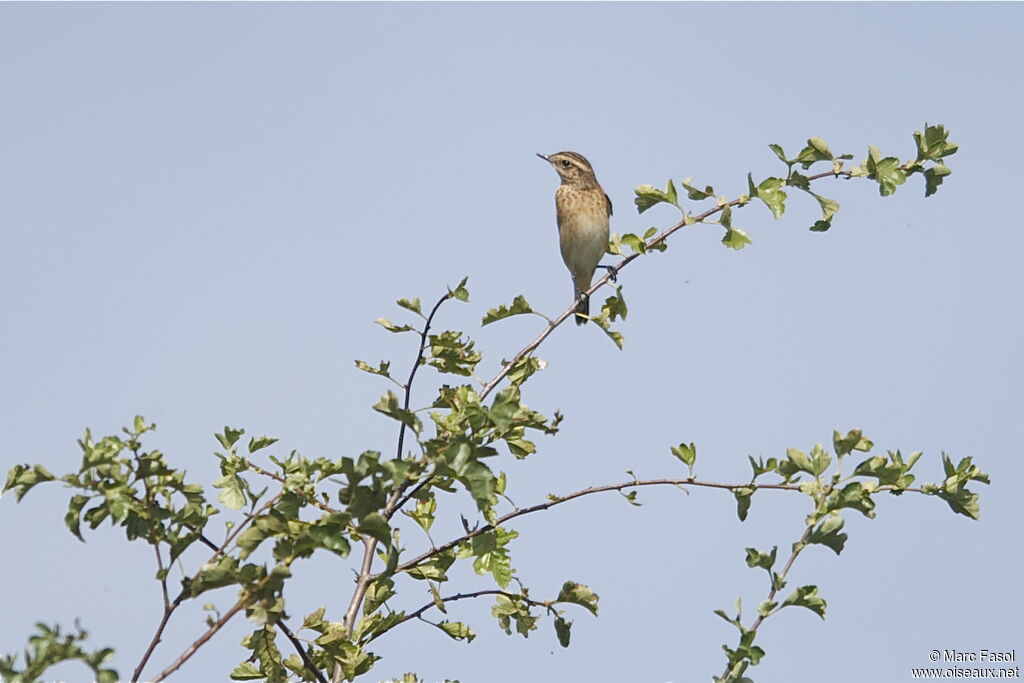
x=582, y=210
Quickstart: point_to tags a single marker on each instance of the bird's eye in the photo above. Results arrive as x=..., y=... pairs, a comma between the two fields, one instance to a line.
x=565, y=163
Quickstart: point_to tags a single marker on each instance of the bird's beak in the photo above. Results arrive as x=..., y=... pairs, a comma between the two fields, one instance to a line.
x=543, y=157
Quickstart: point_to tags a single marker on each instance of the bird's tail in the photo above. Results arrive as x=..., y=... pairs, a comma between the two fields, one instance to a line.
x=582, y=308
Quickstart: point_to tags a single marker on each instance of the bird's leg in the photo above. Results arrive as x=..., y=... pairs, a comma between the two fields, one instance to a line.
x=613, y=271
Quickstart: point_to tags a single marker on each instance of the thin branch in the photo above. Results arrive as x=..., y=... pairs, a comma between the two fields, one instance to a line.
x=370, y=543
x=460, y=596
x=169, y=609
x=798, y=547
x=283, y=628
x=191, y=649
x=416, y=367
x=579, y=494
x=157, y=637
x=390, y=511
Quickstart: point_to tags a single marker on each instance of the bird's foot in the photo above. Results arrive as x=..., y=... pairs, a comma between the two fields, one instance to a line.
x=612, y=271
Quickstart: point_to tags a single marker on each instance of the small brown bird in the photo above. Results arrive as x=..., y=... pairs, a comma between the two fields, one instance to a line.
x=582, y=210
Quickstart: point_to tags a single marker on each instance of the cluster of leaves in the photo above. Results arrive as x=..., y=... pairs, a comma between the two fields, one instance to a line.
x=889, y=172
x=819, y=475
x=49, y=647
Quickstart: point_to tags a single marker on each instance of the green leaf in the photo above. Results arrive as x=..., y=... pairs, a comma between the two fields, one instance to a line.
x=743, y=496
x=816, y=150
x=614, y=307
x=233, y=495
x=74, y=515
x=885, y=171
x=934, y=176
x=807, y=596
x=779, y=153
x=696, y=194
x=388, y=405
x=460, y=292
x=411, y=305
x=457, y=630
x=424, y=512
x=258, y=443
x=22, y=478
x=736, y=239
x=829, y=534
x=376, y=526
x=392, y=327
x=524, y=369
x=686, y=453
x=854, y=440
x=450, y=353
x=855, y=496
x=799, y=460
x=648, y=196
x=933, y=144
x=563, y=630
x=229, y=437
x=383, y=369
x=635, y=243
x=519, y=306
x=774, y=197
x=578, y=594
x=314, y=619
x=246, y=671
x=329, y=532
x=757, y=559
x=760, y=466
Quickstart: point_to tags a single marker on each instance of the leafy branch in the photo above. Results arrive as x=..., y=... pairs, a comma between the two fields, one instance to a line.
x=465, y=427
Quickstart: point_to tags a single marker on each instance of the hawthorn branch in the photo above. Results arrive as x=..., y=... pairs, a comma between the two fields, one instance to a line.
x=558, y=500
x=650, y=243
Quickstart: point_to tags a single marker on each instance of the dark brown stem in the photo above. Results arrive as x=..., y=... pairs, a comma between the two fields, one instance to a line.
x=283, y=628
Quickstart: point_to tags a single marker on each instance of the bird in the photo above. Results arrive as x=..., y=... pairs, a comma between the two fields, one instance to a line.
x=582, y=211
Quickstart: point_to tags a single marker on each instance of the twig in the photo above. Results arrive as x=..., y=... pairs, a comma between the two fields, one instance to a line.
x=283, y=628
x=173, y=605
x=797, y=549
x=191, y=649
x=416, y=366
x=459, y=596
x=168, y=611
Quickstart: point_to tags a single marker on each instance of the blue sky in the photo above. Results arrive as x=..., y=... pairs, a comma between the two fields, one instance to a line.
x=203, y=208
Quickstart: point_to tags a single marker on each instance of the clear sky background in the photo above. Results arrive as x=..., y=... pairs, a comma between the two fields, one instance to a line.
x=203, y=207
